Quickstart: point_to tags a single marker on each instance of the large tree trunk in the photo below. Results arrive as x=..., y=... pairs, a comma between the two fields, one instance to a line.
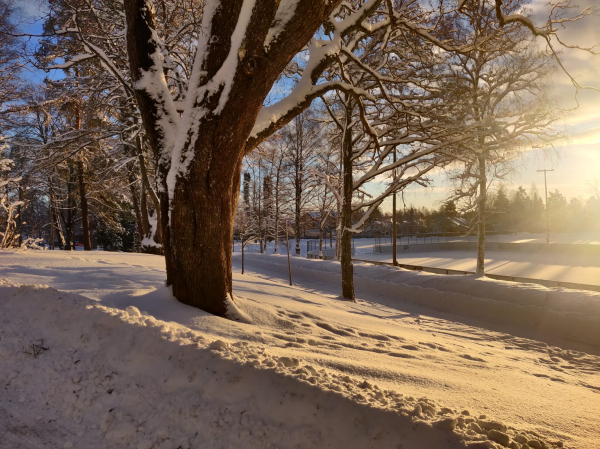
x=202, y=213
x=212, y=134
x=481, y=204
x=346, y=218
x=85, y=220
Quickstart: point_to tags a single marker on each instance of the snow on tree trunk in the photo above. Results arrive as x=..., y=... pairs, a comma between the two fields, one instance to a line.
x=200, y=152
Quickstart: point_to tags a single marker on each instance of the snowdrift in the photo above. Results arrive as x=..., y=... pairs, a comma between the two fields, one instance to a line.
x=552, y=311
x=77, y=374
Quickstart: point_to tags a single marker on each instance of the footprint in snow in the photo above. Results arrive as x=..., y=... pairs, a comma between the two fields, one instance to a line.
x=592, y=387
x=375, y=336
x=327, y=337
x=330, y=328
x=470, y=357
x=402, y=355
x=554, y=379
x=411, y=347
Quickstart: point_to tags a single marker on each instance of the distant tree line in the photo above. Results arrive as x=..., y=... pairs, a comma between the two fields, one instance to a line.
x=507, y=212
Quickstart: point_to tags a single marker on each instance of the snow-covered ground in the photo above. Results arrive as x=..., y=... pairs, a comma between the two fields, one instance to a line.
x=589, y=238
x=578, y=268
x=562, y=267
x=417, y=356
x=365, y=245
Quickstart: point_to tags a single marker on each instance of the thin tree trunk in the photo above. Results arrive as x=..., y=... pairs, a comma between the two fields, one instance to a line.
x=276, y=229
x=394, y=235
x=481, y=204
x=346, y=219
x=55, y=220
x=51, y=212
x=144, y=210
x=158, y=236
x=243, y=244
x=287, y=243
x=85, y=220
x=320, y=241
x=297, y=203
x=19, y=227
x=138, y=215
x=69, y=221
x=338, y=227
x=277, y=206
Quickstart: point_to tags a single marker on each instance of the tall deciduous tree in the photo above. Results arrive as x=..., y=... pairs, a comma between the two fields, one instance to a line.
x=504, y=79
x=243, y=50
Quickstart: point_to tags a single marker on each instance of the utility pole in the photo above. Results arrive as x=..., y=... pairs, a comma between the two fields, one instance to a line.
x=287, y=239
x=546, y=190
x=394, y=246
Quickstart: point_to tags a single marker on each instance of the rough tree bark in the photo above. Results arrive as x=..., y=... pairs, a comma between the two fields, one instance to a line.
x=346, y=216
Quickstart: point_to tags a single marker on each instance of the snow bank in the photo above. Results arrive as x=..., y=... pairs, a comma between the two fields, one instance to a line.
x=79, y=374
x=559, y=312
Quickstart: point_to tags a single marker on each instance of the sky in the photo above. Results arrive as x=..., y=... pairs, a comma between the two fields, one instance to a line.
x=576, y=162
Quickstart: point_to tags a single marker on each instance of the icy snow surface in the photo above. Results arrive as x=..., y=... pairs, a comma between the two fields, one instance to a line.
x=129, y=366
x=577, y=268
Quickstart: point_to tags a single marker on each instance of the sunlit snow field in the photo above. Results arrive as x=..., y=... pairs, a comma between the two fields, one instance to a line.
x=483, y=346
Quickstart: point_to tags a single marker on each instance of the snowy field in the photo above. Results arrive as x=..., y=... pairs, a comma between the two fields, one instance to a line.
x=365, y=245
x=110, y=360
x=578, y=268
x=579, y=238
